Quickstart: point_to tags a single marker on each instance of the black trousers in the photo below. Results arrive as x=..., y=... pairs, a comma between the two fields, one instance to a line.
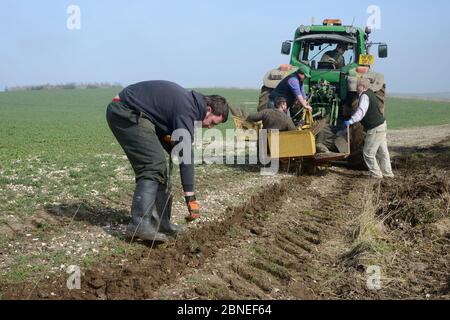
x=138, y=139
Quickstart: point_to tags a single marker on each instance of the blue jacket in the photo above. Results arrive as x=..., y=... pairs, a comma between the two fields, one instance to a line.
x=289, y=88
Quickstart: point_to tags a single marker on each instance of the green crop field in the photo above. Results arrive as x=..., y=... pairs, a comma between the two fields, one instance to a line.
x=56, y=144
x=407, y=113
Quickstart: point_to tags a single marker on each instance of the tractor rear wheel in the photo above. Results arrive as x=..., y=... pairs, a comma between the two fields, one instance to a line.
x=381, y=95
x=264, y=98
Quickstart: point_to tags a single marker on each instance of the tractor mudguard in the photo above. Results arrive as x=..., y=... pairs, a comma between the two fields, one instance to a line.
x=376, y=80
x=273, y=78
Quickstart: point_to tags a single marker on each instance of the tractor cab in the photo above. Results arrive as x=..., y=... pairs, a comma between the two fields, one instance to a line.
x=331, y=46
x=323, y=53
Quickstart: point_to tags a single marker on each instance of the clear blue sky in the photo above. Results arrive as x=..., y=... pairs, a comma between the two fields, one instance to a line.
x=207, y=43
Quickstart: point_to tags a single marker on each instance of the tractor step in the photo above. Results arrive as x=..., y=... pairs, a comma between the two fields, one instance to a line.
x=322, y=158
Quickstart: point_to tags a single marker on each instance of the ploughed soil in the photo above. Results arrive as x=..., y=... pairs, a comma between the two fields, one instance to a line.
x=308, y=237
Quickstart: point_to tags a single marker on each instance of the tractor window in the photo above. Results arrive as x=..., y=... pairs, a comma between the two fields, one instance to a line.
x=324, y=56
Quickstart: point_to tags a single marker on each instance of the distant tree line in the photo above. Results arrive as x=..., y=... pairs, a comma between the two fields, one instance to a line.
x=66, y=86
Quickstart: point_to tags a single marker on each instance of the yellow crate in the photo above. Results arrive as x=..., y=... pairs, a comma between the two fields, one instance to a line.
x=293, y=144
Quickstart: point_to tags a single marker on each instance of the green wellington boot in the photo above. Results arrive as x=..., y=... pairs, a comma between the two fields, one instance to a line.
x=142, y=225
x=162, y=213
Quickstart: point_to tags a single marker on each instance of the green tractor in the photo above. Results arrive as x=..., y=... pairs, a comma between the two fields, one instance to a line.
x=332, y=86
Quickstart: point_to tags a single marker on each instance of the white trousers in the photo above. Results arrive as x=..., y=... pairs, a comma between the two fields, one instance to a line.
x=376, y=153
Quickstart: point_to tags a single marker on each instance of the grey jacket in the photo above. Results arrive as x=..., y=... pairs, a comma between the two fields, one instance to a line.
x=273, y=119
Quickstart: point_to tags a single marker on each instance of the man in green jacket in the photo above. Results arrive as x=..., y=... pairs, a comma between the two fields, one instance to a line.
x=336, y=56
x=274, y=118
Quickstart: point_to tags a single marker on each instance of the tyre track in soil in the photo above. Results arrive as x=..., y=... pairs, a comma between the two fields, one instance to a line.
x=274, y=261
x=246, y=251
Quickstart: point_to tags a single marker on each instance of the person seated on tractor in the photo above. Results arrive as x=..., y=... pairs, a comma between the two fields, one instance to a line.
x=336, y=56
x=274, y=119
x=325, y=140
x=292, y=90
x=331, y=139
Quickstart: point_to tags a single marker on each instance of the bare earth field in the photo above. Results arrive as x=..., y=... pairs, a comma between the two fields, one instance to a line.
x=418, y=137
x=282, y=237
